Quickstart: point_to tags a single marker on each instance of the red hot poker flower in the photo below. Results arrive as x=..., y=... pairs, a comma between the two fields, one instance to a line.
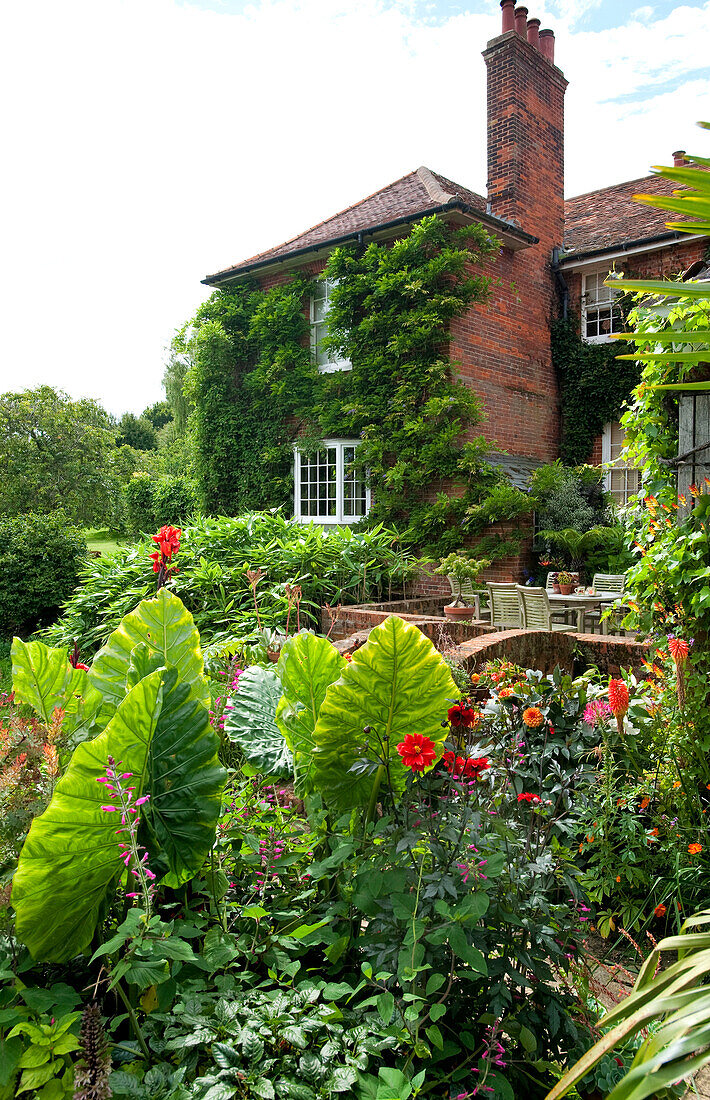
x=618, y=698
x=417, y=752
x=678, y=649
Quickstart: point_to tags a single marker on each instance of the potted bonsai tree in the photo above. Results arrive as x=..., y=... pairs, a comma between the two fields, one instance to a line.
x=459, y=568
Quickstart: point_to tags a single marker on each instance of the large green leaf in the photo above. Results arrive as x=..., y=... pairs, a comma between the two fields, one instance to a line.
x=44, y=678
x=165, y=628
x=185, y=781
x=307, y=667
x=71, y=854
x=397, y=684
x=251, y=722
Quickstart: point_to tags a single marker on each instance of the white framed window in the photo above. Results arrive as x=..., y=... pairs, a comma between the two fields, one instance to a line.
x=600, y=315
x=621, y=479
x=326, y=487
x=320, y=307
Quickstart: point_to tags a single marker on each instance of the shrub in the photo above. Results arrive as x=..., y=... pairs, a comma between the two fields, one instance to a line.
x=151, y=502
x=330, y=566
x=40, y=561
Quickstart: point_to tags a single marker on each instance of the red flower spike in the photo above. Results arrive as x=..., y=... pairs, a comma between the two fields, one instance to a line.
x=678, y=649
x=618, y=698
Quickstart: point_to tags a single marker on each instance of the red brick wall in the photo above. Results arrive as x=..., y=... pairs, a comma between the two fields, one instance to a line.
x=660, y=263
x=503, y=348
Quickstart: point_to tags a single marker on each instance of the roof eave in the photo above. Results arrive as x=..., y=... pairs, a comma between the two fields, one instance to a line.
x=510, y=236
x=572, y=259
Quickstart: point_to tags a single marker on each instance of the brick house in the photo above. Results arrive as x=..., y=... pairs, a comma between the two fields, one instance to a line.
x=555, y=255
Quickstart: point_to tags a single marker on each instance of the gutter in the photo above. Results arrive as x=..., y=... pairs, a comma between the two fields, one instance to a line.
x=498, y=227
x=639, y=245
x=561, y=283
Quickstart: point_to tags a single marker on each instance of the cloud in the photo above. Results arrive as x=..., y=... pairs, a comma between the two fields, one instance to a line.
x=150, y=142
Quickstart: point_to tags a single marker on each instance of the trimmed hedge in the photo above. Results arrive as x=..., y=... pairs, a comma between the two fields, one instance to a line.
x=40, y=560
x=151, y=502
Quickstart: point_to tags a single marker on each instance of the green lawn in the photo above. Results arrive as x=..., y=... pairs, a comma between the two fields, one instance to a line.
x=103, y=539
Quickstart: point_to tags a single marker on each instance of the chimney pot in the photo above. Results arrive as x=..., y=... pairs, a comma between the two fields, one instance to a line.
x=508, y=8
x=547, y=45
x=534, y=33
x=521, y=18
x=679, y=159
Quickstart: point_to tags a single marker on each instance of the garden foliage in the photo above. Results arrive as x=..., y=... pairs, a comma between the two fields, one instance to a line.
x=339, y=566
x=41, y=558
x=255, y=388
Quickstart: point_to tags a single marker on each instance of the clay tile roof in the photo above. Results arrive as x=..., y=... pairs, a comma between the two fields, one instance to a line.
x=608, y=217
x=411, y=196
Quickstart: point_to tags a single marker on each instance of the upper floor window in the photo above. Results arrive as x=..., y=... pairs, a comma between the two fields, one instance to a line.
x=621, y=479
x=600, y=315
x=327, y=489
x=320, y=306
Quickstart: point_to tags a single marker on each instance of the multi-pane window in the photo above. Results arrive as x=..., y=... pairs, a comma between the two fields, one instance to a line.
x=328, y=489
x=600, y=315
x=622, y=480
x=320, y=306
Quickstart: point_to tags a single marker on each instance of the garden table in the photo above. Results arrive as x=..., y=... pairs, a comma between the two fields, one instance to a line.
x=585, y=602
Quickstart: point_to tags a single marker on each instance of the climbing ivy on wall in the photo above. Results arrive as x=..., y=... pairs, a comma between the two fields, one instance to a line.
x=257, y=389
x=594, y=386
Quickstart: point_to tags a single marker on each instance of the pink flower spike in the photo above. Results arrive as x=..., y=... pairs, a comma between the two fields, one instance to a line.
x=108, y=809
x=131, y=895
x=132, y=810
x=127, y=775
x=101, y=779
x=140, y=801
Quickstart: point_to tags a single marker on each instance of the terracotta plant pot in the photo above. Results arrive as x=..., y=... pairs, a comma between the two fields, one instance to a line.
x=459, y=614
x=566, y=589
x=556, y=589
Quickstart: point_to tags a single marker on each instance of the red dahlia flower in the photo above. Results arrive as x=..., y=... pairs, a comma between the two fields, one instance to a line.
x=417, y=752
x=475, y=765
x=453, y=763
x=526, y=796
x=461, y=715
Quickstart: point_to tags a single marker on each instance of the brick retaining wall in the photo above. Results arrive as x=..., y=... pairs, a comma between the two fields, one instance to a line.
x=479, y=642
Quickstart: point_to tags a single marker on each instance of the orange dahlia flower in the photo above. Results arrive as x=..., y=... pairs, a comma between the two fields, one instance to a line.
x=533, y=717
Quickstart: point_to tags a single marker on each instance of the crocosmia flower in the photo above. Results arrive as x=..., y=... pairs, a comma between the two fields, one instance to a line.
x=417, y=752
x=660, y=910
x=533, y=717
x=618, y=698
x=695, y=849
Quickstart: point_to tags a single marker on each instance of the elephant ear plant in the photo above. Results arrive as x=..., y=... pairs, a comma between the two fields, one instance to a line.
x=342, y=720
x=150, y=679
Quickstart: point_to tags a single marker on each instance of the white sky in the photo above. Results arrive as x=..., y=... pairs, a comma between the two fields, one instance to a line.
x=149, y=142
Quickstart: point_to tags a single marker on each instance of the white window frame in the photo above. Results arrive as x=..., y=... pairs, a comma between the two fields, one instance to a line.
x=301, y=457
x=604, y=297
x=332, y=364
x=611, y=465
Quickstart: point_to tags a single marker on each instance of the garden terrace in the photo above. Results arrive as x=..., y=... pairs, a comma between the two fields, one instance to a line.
x=478, y=642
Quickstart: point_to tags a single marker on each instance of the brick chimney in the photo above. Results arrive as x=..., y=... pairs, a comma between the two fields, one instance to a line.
x=526, y=126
